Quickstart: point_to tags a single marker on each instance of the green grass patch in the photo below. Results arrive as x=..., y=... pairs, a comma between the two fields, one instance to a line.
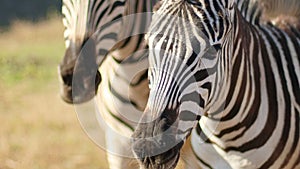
x=31, y=52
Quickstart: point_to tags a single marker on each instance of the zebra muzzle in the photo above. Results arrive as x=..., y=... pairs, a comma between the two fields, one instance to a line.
x=79, y=74
x=155, y=143
x=81, y=90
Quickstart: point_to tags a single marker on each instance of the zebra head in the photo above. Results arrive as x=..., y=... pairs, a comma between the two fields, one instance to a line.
x=91, y=30
x=82, y=65
x=184, y=41
x=77, y=36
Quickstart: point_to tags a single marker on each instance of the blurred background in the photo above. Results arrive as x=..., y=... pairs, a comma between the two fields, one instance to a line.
x=38, y=130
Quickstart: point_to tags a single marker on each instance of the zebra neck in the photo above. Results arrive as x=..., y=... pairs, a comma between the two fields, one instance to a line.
x=230, y=68
x=250, y=10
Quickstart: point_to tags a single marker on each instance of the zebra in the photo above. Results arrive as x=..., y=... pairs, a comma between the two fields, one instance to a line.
x=98, y=34
x=225, y=75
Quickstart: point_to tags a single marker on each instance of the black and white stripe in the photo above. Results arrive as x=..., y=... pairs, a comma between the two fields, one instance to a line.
x=219, y=64
x=109, y=34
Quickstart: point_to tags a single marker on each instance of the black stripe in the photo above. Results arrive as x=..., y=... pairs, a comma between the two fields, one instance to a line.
x=291, y=69
x=295, y=140
x=69, y=12
x=241, y=95
x=115, y=5
x=286, y=128
x=101, y=16
x=119, y=61
x=95, y=9
x=141, y=79
x=111, y=35
x=252, y=114
x=252, y=12
x=207, y=86
x=140, y=38
x=272, y=118
x=137, y=57
x=209, y=30
x=210, y=13
x=202, y=161
x=118, y=118
x=236, y=66
x=297, y=131
x=295, y=31
x=194, y=2
x=296, y=88
x=201, y=134
x=290, y=66
x=102, y=52
x=107, y=25
x=191, y=60
x=119, y=97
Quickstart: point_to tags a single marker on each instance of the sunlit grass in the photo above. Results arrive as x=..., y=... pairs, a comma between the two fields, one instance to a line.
x=38, y=130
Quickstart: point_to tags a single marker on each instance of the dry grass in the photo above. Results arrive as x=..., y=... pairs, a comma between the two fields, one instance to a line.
x=38, y=130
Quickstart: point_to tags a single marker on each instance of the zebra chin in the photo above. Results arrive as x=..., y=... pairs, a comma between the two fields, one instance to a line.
x=156, y=144
x=145, y=153
x=80, y=91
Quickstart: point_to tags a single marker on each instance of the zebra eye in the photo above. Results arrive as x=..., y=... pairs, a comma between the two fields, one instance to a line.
x=217, y=46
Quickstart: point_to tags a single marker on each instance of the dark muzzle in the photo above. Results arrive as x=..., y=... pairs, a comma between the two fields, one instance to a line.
x=79, y=74
x=155, y=143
